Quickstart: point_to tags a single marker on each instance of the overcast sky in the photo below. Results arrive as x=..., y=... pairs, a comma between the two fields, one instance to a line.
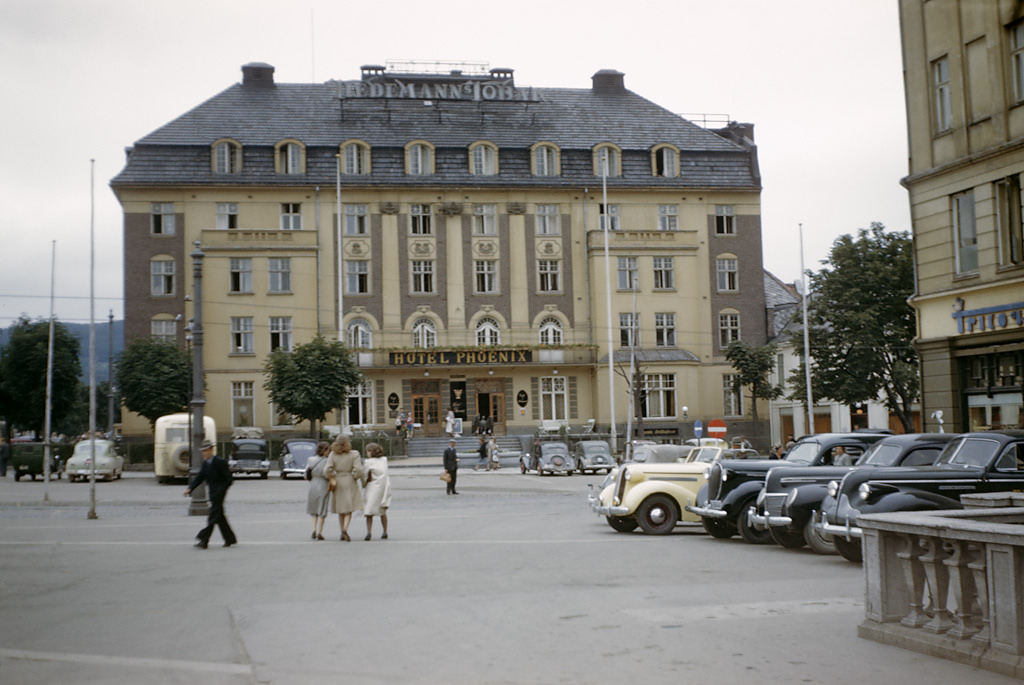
x=820, y=81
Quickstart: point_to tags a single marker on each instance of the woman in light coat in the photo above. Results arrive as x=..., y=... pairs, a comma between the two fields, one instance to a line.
x=378, y=489
x=317, y=500
x=345, y=468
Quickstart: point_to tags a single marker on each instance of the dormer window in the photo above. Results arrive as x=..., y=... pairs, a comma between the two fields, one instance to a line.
x=610, y=155
x=483, y=159
x=665, y=161
x=419, y=159
x=227, y=157
x=545, y=160
x=355, y=158
x=290, y=158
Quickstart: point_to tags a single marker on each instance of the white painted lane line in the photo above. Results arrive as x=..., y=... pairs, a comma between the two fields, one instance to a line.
x=106, y=660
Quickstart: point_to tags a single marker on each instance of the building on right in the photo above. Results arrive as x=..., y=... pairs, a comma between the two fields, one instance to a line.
x=964, y=79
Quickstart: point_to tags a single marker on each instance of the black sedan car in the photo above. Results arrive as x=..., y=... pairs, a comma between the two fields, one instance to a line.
x=791, y=496
x=295, y=452
x=989, y=461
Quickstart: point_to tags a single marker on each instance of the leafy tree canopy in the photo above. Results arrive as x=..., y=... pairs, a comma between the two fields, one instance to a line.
x=311, y=380
x=754, y=365
x=23, y=362
x=861, y=327
x=153, y=377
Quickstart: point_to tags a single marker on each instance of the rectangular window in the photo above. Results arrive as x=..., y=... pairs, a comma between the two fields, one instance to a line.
x=291, y=216
x=161, y=274
x=357, y=159
x=665, y=330
x=357, y=277
x=241, y=335
x=422, y=276
x=1017, y=61
x=419, y=160
x=290, y=159
x=355, y=220
x=486, y=272
x=727, y=275
x=419, y=216
x=943, y=95
x=965, y=233
x=360, y=404
x=545, y=161
x=725, y=220
x=281, y=333
x=629, y=330
x=628, y=275
x=164, y=329
x=728, y=329
x=659, y=396
x=612, y=216
x=161, y=218
x=227, y=215
x=554, y=400
x=279, y=274
x=485, y=219
x=664, y=273
x=240, y=276
x=547, y=220
x=242, y=403
x=732, y=400
x=549, y=275
x=668, y=217
x=1011, y=235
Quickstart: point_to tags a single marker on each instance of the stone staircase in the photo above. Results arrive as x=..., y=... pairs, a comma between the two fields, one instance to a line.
x=466, y=445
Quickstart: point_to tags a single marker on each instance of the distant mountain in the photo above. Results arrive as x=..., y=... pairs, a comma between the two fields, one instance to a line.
x=103, y=346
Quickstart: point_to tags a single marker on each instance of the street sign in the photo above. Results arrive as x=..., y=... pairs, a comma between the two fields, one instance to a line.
x=716, y=428
x=698, y=428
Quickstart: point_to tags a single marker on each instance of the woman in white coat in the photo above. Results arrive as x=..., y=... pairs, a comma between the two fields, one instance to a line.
x=377, y=497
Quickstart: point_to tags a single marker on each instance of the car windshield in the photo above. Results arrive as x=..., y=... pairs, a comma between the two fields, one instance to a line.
x=803, y=452
x=968, y=452
x=705, y=454
x=85, y=447
x=595, y=449
x=881, y=454
x=553, y=448
x=302, y=449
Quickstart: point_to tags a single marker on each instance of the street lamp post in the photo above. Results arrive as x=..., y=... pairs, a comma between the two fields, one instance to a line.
x=199, y=504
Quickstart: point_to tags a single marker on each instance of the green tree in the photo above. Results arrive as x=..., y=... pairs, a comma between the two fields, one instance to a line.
x=23, y=363
x=861, y=327
x=153, y=377
x=754, y=365
x=311, y=380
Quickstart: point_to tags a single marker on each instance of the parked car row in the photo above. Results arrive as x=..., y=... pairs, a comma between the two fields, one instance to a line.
x=813, y=495
x=554, y=456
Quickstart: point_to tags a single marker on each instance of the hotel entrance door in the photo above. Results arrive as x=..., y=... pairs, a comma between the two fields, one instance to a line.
x=490, y=401
x=426, y=411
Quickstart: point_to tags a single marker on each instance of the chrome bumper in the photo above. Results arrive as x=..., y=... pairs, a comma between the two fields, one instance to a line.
x=760, y=522
x=706, y=511
x=847, y=531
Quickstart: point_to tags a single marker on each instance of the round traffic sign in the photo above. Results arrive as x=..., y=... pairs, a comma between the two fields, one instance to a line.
x=698, y=428
x=716, y=428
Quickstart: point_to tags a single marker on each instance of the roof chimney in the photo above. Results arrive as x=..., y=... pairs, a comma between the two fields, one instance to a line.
x=609, y=81
x=257, y=75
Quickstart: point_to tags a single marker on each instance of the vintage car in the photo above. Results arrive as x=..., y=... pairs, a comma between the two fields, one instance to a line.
x=109, y=464
x=662, y=454
x=989, y=461
x=733, y=486
x=295, y=452
x=249, y=452
x=548, y=456
x=171, y=438
x=27, y=460
x=791, y=495
x=654, y=495
x=593, y=456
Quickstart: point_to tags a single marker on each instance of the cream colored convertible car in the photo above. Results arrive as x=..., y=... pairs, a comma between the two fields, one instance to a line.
x=654, y=495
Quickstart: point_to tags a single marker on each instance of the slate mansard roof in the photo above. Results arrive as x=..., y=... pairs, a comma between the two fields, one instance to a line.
x=259, y=115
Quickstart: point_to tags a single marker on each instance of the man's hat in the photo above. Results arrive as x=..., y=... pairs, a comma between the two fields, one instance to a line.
x=207, y=445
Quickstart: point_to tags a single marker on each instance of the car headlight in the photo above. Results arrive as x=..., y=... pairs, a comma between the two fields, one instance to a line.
x=864, y=491
x=833, y=488
x=626, y=475
x=791, y=498
x=725, y=475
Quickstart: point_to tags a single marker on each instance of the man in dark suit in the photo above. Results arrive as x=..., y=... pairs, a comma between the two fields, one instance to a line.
x=451, y=465
x=216, y=473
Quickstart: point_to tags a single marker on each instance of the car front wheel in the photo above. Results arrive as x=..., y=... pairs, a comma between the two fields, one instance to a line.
x=657, y=515
x=747, y=531
x=718, y=528
x=786, y=539
x=822, y=543
x=622, y=524
x=848, y=549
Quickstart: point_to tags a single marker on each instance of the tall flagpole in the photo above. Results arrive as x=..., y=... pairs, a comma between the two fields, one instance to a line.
x=608, y=299
x=807, y=338
x=49, y=383
x=92, y=337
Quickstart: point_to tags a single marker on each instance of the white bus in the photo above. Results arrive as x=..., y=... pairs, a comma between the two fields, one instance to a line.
x=171, y=445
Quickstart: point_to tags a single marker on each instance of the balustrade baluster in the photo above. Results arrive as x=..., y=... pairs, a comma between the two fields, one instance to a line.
x=937, y=574
x=913, y=576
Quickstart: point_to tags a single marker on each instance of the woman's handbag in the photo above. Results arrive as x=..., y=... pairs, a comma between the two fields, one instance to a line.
x=331, y=484
x=446, y=477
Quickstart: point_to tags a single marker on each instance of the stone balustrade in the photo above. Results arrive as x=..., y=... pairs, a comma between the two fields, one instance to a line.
x=949, y=583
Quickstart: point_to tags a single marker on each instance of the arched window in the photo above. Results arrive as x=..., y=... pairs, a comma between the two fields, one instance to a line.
x=483, y=159
x=612, y=155
x=665, y=161
x=419, y=159
x=545, y=160
x=551, y=331
x=360, y=334
x=424, y=333
x=227, y=157
x=355, y=158
x=488, y=332
x=290, y=157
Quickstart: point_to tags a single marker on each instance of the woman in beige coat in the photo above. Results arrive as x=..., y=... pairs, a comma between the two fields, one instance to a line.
x=345, y=469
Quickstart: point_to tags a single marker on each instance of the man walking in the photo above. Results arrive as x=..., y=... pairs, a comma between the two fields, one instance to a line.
x=451, y=465
x=217, y=476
